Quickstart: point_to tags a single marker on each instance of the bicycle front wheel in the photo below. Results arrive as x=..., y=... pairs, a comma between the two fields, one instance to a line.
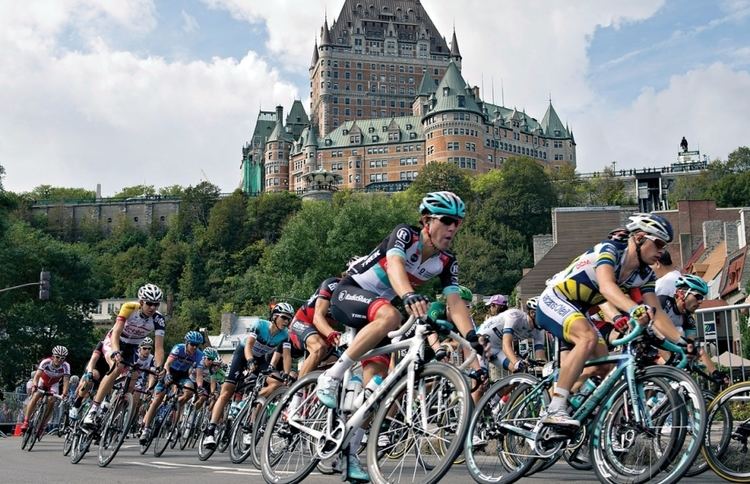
x=261, y=420
x=163, y=435
x=430, y=429
x=728, y=433
x=115, y=429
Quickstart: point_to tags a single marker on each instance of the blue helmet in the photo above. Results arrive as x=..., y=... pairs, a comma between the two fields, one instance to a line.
x=194, y=337
x=692, y=283
x=442, y=203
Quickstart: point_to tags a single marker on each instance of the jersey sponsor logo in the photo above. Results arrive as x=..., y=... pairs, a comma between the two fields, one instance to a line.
x=332, y=286
x=454, y=268
x=582, y=263
x=345, y=296
x=372, y=257
x=403, y=235
x=414, y=257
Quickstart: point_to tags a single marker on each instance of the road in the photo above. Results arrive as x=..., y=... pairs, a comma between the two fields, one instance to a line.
x=46, y=464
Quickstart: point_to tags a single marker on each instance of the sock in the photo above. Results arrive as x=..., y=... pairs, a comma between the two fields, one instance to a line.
x=559, y=400
x=339, y=368
x=94, y=406
x=357, y=437
x=294, y=404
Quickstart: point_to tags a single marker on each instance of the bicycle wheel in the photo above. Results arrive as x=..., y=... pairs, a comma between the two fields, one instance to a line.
x=728, y=433
x=288, y=453
x=68, y=442
x=186, y=425
x=439, y=390
x=259, y=426
x=35, y=424
x=162, y=436
x=198, y=426
x=115, y=429
x=240, y=440
x=81, y=443
x=659, y=449
x=700, y=465
x=503, y=456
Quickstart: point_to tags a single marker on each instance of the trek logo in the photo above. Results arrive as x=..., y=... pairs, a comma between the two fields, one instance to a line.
x=345, y=296
x=371, y=257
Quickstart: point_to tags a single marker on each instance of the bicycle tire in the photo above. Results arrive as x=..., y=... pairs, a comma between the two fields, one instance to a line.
x=116, y=429
x=259, y=426
x=282, y=440
x=495, y=405
x=81, y=443
x=162, y=435
x=68, y=442
x=609, y=467
x=35, y=422
x=244, y=422
x=700, y=465
x=186, y=426
x=204, y=453
x=722, y=437
x=437, y=385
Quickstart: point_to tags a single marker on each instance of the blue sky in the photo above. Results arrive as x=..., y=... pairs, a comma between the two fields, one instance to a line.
x=163, y=92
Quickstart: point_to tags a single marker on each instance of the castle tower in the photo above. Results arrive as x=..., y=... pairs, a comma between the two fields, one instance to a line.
x=276, y=156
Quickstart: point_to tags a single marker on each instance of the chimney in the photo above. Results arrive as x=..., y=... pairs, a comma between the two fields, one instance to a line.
x=743, y=227
x=476, y=92
x=98, y=191
x=731, y=235
x=713, y=233
x=227, y=323
x=280, y=114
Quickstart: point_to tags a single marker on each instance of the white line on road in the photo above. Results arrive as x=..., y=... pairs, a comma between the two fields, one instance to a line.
x=150, y=465
x=212, y=468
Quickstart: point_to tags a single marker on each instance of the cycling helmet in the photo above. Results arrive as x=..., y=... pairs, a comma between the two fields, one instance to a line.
x=60, y=351
x=194, y=337
x=150, y=293
x=620, y=234
x=652, y=224
x=442, y=203
x=74, y=380
x=532, y=303
x=211, y=354
x=692, y=283
x=147, y=342
x=465, y=293
x=282, y=308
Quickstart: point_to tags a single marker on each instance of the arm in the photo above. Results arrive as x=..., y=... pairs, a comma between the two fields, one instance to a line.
x=319, y=319
x=66, y=385
x=287, y=357
x=116, y=334
x=460, y=313
x=35, y=380
x=198, y=377
x=399, y=280
x=508, y=350
x=605, y=274
x=159, y=350
x=249, y=343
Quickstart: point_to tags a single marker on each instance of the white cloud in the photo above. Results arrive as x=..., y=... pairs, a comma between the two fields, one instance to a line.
x=189, y=24
x=75, y=118
x=708, y=105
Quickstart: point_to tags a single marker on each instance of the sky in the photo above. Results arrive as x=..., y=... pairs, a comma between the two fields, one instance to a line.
x=163, y=92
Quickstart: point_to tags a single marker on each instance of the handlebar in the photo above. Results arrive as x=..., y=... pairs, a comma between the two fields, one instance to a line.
x=628, y=338
x=395, y=336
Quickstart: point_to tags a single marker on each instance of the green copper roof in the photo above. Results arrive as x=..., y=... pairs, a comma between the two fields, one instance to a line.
x=309, y=137
x=372, y=132
x=551, y=123
x=279, y=133
x=297, y=114
x=427, y=86
x=452, y=93
x=263, y=127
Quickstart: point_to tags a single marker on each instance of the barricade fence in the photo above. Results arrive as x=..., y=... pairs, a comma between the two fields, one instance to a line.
x=12, y=410
x=726, y=335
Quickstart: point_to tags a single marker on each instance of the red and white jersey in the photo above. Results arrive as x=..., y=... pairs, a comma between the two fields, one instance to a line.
x=52, y=374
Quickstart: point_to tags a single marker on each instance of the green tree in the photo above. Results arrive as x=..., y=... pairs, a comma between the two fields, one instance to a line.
x=48, y=192
x=136, y=191
x=442, y=176
x=195, y=207
x=738, y=160
x=569, y=187
x=268, y=212
x=172, y=191
x=731, y=190
x=607, y=189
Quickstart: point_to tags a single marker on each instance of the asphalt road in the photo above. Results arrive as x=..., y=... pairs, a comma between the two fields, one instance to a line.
x=46, y=464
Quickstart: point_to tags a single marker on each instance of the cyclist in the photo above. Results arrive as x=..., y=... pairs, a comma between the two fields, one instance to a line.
x=499, y=334
x=252, y=354
x=405, y=259
x=96, y=368
x=602, y=274
x=47, y=378
x=689, y=290
x=183, y=357
x=666, y=275
x=439, y=311
x=213, y=375
x=134, y=322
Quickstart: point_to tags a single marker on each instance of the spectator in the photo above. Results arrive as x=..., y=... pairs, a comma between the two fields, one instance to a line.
x=497, y=304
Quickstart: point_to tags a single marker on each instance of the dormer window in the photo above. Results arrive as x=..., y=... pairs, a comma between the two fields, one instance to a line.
x=557, y=132
x=354, y=139
x=371, y=129
x=461, y=101
x=345, y=132
x=408, y=127
x=375, y=138
x=385, y=128
x=446, y=90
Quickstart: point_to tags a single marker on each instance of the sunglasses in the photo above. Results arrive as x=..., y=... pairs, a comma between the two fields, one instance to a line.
x=285, y=318
x=448, y=221
x=698, y=297
x=660, y=244
x=192, y=344
x=152, y=304
x=58, y=357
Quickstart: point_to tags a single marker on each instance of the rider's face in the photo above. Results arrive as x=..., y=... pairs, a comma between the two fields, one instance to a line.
x=651, y=249
x=442, y=230
x=149, y=308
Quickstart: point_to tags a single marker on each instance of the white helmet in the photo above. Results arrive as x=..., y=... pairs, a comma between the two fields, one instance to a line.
x=60, y=351
x=652, y=224
x=150, y=293
x=282, y=308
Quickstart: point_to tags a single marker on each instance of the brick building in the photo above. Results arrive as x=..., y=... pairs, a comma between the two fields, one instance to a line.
x=388, y=97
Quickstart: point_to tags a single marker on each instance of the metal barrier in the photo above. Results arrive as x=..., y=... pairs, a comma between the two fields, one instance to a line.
x=720, y=329
x=11, y=411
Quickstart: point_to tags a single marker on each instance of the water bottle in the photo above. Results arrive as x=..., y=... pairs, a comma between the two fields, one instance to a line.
x=374, y=383
x=586, y=389
x=353, y=389
x=234, y=409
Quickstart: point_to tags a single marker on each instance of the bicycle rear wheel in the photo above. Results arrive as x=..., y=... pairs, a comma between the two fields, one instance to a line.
x=440, y=390
x=162, y=438
x=32, y=434
x=261, y=420
x=81, y=443
x=115, y=429
x=728, y=433
x=240, y=441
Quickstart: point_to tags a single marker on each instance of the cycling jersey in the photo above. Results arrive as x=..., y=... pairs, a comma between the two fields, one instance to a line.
x=181, y=361
x=306, y=312
x=145, y=363
x=513, y=322
x=211, y=372
x=137, y=325
x=51, y=374
x=370, y=273
x=578, y=282
x=684, y=323
x=665, y=285
x=265, y=343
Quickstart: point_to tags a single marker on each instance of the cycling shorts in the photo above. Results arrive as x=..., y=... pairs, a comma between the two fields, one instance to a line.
x=556, y=314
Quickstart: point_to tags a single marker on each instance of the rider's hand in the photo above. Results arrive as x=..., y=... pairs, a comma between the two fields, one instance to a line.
x=415, y=304
x=251, y=366
x=167, y=379
x=520, y=366
x=720, y=377
x=116, y=356
x=642, y=313
x=473, y=339
x=621, y=324
x=333, y=338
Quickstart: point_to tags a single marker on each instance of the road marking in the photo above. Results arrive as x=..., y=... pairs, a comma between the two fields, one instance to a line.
x=236, y=473
x=150, y=465
x=211, y=468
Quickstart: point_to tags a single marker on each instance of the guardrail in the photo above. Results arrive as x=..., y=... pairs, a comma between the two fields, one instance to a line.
x=720, y=329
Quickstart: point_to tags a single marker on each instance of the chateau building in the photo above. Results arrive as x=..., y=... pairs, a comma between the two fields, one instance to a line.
x=388, y=97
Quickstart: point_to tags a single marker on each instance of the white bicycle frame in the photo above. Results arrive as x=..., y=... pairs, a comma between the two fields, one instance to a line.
x=414, y=345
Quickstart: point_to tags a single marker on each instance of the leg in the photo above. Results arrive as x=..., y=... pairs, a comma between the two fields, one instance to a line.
x=317, y=349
